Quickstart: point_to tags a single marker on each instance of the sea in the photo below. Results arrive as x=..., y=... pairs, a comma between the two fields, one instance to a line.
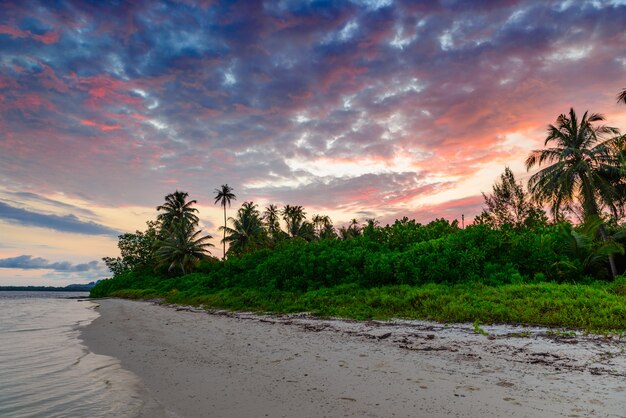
x=47, y=371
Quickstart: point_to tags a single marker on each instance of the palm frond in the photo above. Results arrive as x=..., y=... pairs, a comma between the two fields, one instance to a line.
x=621, y=97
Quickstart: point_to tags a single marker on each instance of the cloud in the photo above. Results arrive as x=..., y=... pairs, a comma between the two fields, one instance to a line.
x=364, y=191
x=28, y=262
x=42, y=200
x=46, y=37
x=67, y=223
x=140, y=93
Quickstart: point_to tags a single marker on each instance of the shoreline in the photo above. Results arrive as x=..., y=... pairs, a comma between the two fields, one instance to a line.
x=195, y=363
x=94, y=340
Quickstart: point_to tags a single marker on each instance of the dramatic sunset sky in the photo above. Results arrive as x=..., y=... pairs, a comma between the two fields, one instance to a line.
x=355, y=109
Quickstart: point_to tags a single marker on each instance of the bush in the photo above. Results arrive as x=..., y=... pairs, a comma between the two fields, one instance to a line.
x=404, y=253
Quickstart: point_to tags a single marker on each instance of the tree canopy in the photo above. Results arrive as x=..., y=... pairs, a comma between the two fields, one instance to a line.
x=509, y=204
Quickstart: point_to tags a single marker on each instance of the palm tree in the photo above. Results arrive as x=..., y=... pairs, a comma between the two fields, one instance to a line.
x=582, y=165
x=328, y=232
x=622, y=97
x=224, y=195
x=293, y=217
x=355, y=226
x=305, y=231
x=297, y=226
x=183, y=247
x=371, y=226
x=321, y=223
x=352, y=231
x=270, y=217
x=585, y=254
x=247, y=232
x=176, y=209
x=345, y=233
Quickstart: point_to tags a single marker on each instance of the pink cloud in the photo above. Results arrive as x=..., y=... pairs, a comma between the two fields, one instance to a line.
x=473, y=96
x=30, y=101
x=50, y=80
x=14, y=32
x=102, y=127
x=48, y=38
x=104, y=89
x=341, y=78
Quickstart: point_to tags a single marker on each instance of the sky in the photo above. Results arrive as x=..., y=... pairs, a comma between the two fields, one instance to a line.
x=354, y=109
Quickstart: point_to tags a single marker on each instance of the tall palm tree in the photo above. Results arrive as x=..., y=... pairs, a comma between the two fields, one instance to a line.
x=183, y=248
x=247, y=232
x=581, y=165
x=621, y=97
x=223, y=196
x=177, y=209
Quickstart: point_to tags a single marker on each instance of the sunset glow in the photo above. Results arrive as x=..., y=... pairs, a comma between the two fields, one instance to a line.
x=355, y=109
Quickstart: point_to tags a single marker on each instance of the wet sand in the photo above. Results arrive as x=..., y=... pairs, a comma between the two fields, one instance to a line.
x=219, y=364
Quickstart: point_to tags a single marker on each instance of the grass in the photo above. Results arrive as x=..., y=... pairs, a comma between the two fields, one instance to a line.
x=478, y=329
x=598, y=307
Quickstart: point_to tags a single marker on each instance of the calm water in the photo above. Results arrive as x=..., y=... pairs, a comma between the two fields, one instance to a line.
x=46, y=371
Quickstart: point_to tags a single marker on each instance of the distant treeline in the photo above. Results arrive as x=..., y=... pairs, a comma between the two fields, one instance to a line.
x=69, y=288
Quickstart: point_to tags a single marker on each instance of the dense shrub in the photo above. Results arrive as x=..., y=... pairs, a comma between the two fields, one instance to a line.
x=134, y=279
x=403, y=253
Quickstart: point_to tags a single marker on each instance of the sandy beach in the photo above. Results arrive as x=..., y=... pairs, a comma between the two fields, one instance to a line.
x=218, y=364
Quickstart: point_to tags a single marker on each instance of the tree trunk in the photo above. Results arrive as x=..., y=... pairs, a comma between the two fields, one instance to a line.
x=224, y=240
x=611, y=256
x=590, y=206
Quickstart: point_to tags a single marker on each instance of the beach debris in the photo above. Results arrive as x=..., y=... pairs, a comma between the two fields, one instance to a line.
x=559, y=350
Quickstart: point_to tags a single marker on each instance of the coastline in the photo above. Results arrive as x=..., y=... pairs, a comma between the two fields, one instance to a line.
x=196, y=364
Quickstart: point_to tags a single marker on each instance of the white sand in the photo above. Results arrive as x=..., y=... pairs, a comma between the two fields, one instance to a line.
x=195, y=364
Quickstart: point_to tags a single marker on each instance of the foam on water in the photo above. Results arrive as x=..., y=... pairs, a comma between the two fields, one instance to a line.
x=45, y=370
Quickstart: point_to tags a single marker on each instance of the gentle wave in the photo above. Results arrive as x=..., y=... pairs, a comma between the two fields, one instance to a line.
x=45, y=370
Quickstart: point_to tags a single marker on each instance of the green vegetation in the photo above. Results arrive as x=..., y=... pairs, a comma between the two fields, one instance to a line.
x=436, y=271
x=171, y=241
x=513, y=265
x=598, y=307
x=584, y=166
x=478, y=329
